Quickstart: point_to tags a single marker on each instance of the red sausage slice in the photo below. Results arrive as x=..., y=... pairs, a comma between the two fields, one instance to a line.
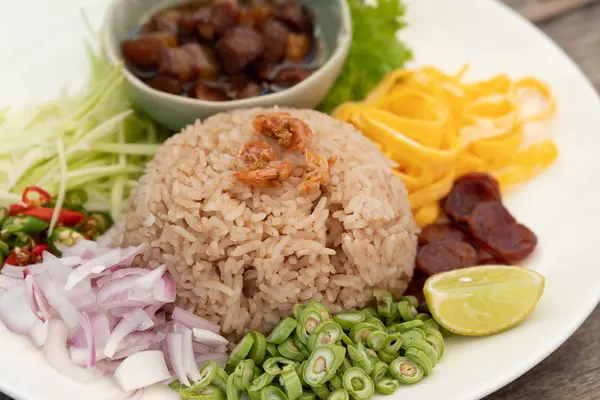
x=469, y=190
x=437, y=232
x=445, y=255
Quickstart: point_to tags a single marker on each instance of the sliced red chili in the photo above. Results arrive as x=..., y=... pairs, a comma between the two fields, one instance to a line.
x=65, y=217
x=16, y=209
x=39, y=249
x=34, y=196
x=11, y=259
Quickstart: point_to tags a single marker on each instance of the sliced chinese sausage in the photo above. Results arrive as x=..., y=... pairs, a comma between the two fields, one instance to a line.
x=469, y=190
x=437, y=232
x=499, y=234
x=445, y=255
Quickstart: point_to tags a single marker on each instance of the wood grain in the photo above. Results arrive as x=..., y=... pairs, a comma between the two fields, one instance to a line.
x=571, y=372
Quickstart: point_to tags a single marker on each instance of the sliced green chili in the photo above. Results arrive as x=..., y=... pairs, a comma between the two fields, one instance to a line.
x=376, y=340
x=406, y=371
x=358, y=384
x=272, y=350
x=3, y=214
x=420, y=358
x=406, y=326
x=339, y=394
x=63, y=235
x=259, y=347
x=406, y=310
x=243, y=374
x=288, y=349
x=360, y=358
x=379, y=371
x=411, y=335
x=261, y=382
x=277, y=365
x=233, y=393
x=426, y=348
x=436, y=343
x=76, y=197
x=282, y=331
x=24, y=224
x=272, y=393
x=386, y=357
x=394, y=343
x=386, y=386
x=23, y=240
x=4, y=249
x=384, y=302
x=291, y=384
x=240, y=351
x=321, y=391
x=323, y=364
x=327, y=332
x=348, y=319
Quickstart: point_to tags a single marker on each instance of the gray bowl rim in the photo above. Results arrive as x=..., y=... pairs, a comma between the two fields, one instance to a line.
x=337, y=56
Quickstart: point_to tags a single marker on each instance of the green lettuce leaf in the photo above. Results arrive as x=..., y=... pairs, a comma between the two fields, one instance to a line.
x=374, y=52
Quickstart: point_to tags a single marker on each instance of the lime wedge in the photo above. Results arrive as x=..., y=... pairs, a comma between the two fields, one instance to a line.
x=484, y=300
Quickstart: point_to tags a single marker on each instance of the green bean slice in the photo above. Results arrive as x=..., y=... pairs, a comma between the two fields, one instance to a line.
x=307, y=396
x=380, y=370
x=261, y=382
x=253, y=395
x=412, y=300
x=272, y=350
x=407, y=311
x=301, y=347
x=277, y=365
x=435, y=333
x=436, y=343
x=376, y=322
x=321, y=308
x=297, y=310
x=394, y=343
x=376, y=340
x=349, y=318
x=308, y=322
x=259, y=348
x=360, y=332
x=243, y=374
x=291, y=384
x=425, y=348
x=386, y=357
x=431, y=324
x=358, y=384
x=327, y=332
x=412, y=334
x=423, y=317
x=336, y=382
x=288, y=349
x=272, y=393
x=370, y=312
x=240, y=351
x=220, y=379
x=360, y=358
x=386, y=386
x=346, y=364
x=346, y=339
x=384, y=302
x=321, y=391
x=209, y=393
x=406, y=326
x=323, y=364
x=339, y=394
x=406, y=371
x=233, y=393
x=420, y=358
x=207, y=376
x=282, y=331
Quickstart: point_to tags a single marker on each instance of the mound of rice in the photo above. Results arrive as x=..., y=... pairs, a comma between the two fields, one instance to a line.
x=241, y=256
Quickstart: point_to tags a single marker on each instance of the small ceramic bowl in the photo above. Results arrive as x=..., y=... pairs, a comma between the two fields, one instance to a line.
x=124, y=16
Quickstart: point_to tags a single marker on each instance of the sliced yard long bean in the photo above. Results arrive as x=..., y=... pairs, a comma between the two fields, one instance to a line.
x=259, y=347
x=412, y=300
x=327, y=332
x=321, y=308
x=420, y=358
x=288, y=349
x=385, y=302
x=282, y=331
x=425, y=348
x=431, y=324
x=261, y=382
x=412, y=334
x=336, y=382
x=348, y=319
x=394, y=343
x=323, y=364
x=309, y=319
x=376, y=322
x=297, y=310
x=437, y=343
x=307, y=396
x=301, y=347
x=361, y=331
x=387, y=386
x=408, y=325
x=339, y=394
x=277, y=365
x=291, y=383
x=407, y=311
x=209, y=393
x=240, y=351
x=360, y=358
x=272, y=393
x=346, y=363
x=423, y=317
x=322, y=392
x=380, y=370
x=358, y=384
x=220, y=378
x=376, y=340
x=233, y=393
x=243, y=374
x=386, y=357
x=370, y=312
x=405, y=371
x=272, y=350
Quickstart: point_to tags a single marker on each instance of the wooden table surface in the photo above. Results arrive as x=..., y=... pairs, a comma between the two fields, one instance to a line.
x=571, y=372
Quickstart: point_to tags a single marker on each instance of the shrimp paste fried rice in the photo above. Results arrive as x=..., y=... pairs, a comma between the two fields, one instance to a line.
x=243, y=256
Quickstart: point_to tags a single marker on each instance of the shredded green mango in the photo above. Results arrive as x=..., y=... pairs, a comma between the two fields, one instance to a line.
x=374, y=52
x=103, y=142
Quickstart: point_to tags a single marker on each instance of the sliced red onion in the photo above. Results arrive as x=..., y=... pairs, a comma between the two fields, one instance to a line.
x=38, y=302
x=55, y=268
x=107, y=367
x=108, y=276
x=94, y=266
x=193, y=321
x=102, y=328
x=13, y=271
x=88, y=330
x=67, y=311
x=200, y=348
x=189, y=363
x=57, y=355
x=6, y=282
x=138, y=341
x=152, y=278
x=82, y=355
x=209, y=338
x=166, y=292
x=123, y=293
x=175, y=346
x=138, y=321
x=39, y=332
x=151, y=312
x=142, y=369
x=83, y=248
x=15, y=310
x=71, y=261
x=110, y=238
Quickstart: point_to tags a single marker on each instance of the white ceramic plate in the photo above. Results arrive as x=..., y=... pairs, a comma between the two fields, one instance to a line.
x=41, y=49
